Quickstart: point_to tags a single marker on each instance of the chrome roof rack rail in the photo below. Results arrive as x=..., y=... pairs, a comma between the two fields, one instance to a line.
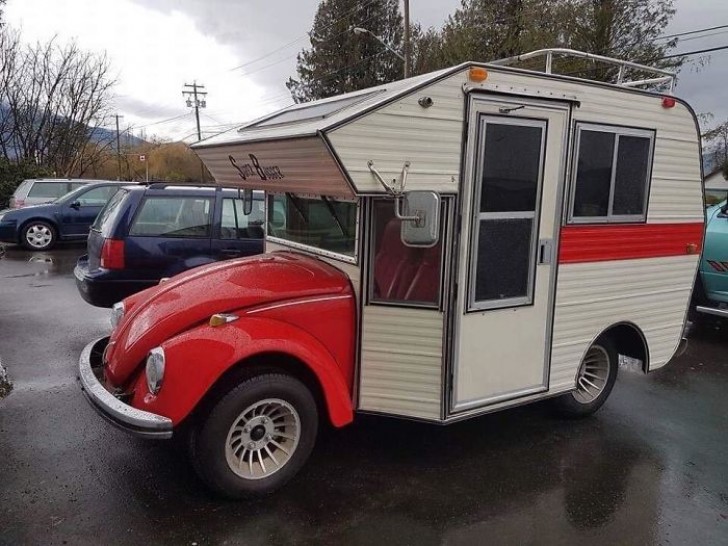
x=661, y=76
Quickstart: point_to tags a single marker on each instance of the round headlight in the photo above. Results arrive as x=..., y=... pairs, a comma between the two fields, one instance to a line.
x=117, y=313
x=155, y=369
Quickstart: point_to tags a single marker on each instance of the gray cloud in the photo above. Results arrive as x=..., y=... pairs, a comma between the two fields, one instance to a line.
x=253, y=28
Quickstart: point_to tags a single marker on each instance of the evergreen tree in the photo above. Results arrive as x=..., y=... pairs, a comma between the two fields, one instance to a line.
x=339, y=60
x=485, y=30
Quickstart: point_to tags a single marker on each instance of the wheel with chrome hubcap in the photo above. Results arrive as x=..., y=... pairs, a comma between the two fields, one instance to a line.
x=256, y=437
x=37, y=235
x=594, y=380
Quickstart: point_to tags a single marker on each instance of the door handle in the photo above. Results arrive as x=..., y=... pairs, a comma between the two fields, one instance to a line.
x=232, y=252
x=545, y=251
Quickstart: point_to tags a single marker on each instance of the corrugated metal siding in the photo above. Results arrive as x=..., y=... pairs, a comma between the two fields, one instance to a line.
x=401, y=362
x=430, y=138
x=651, y=293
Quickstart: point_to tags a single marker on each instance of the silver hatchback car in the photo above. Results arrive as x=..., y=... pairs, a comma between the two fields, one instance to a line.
x=35, y=191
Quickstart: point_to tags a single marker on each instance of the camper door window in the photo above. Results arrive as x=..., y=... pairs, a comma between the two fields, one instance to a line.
x=402, y=274
x=613, y=168
x=324, y=223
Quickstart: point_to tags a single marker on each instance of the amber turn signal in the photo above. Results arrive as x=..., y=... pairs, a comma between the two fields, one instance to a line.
x=478, y=74
x=219, y=319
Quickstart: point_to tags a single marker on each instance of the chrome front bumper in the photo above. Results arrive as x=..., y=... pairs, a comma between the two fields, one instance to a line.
x=134, y=421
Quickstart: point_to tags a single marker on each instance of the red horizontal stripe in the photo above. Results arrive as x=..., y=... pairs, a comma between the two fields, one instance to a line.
x=597, y=243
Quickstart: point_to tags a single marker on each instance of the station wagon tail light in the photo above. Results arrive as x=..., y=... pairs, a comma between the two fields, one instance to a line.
x=18, y=203
x=112, y=254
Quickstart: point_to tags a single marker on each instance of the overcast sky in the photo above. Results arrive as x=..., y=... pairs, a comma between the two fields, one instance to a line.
x=156, y=46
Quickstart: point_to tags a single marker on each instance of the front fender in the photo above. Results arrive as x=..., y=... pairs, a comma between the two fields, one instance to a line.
x=196, y=359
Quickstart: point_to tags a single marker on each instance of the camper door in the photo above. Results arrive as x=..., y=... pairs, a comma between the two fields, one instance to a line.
x=511, y=205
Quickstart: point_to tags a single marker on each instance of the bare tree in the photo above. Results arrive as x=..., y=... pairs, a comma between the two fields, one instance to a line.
x=716, y=144
x=54, y=99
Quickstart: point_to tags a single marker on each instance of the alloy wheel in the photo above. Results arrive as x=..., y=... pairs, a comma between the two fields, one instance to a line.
x=262, y=439
x=593, y=375
x=38, y=236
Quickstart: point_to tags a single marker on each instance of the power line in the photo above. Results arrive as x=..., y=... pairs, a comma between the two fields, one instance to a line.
x=697, y=52
x=689, y=32
x=304, y=36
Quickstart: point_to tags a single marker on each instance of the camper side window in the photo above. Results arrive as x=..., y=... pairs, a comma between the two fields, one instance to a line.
x=401, y=274
x=612, y=173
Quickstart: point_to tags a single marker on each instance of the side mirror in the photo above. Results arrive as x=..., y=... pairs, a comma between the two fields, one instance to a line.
x=75, y=205
x=420, y=215
x=247, y=202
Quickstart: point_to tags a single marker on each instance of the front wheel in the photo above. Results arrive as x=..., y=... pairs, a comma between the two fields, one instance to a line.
x=594, y=381
x=256, y=437
x=38, y=235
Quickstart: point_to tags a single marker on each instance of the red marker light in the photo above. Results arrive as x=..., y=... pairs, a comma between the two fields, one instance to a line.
x=668, y=102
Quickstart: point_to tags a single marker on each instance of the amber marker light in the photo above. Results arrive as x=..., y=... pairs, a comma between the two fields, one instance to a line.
x=691, y=248
x=477, y=74
x=219, y=319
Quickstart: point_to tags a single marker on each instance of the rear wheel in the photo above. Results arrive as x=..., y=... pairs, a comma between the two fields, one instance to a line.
x=594, y=381
x=256, y=437
x=38, y=235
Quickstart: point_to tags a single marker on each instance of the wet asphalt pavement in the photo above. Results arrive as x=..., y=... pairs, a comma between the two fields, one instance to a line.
x=650, y=468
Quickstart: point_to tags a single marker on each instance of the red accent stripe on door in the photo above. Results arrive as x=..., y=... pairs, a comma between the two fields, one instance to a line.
x=597, y=243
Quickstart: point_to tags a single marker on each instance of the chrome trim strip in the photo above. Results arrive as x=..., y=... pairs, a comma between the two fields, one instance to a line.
x=712, y=311
x=298, y=302
x=134, y=421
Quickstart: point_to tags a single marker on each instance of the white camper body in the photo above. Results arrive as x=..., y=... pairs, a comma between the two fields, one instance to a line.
x=569, y=209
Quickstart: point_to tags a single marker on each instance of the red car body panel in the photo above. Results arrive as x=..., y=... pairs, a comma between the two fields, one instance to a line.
x=196, y=360
x=161, y=313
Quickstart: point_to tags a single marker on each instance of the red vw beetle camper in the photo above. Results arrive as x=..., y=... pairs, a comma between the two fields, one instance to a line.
x=437, y=248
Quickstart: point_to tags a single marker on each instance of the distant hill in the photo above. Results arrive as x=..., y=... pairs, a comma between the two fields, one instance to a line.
x=98, y=135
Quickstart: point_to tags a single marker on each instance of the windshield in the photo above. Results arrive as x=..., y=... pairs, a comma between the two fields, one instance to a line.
x=322, y=222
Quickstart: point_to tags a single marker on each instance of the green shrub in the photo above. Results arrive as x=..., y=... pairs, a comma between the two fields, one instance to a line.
x=12, y=174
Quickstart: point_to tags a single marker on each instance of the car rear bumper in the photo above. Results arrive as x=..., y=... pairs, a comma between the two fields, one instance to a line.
x=134, y=421
x=101, y=291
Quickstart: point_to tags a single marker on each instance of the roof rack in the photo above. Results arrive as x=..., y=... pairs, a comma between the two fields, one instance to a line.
x=661, y=76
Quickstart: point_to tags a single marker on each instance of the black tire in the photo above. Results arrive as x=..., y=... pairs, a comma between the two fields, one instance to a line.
x=209, y=441
x=572, y=404
x=37, y=242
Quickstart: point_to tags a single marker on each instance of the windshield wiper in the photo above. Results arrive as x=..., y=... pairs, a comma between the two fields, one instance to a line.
x=332, y=210
x=297, y=205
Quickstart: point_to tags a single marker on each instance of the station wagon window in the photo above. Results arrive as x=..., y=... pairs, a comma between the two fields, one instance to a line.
x=173, y=217
x=235, y=224
x=48, y=189
x=323, y=222
x=612, y=174
x=401, y=274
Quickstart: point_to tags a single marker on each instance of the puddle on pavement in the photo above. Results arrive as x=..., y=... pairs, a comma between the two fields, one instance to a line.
x=59, y=261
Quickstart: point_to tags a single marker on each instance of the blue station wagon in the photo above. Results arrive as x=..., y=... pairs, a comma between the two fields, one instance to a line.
x=145, y=234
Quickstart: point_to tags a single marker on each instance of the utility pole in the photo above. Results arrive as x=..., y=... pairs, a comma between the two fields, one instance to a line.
x=196, y=99
x=407, y=59
x=118, y=146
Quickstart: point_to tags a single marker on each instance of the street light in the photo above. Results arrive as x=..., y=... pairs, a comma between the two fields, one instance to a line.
x=360, y=30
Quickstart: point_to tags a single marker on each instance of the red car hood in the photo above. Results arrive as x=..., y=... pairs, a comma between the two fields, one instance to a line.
x=164, y=311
